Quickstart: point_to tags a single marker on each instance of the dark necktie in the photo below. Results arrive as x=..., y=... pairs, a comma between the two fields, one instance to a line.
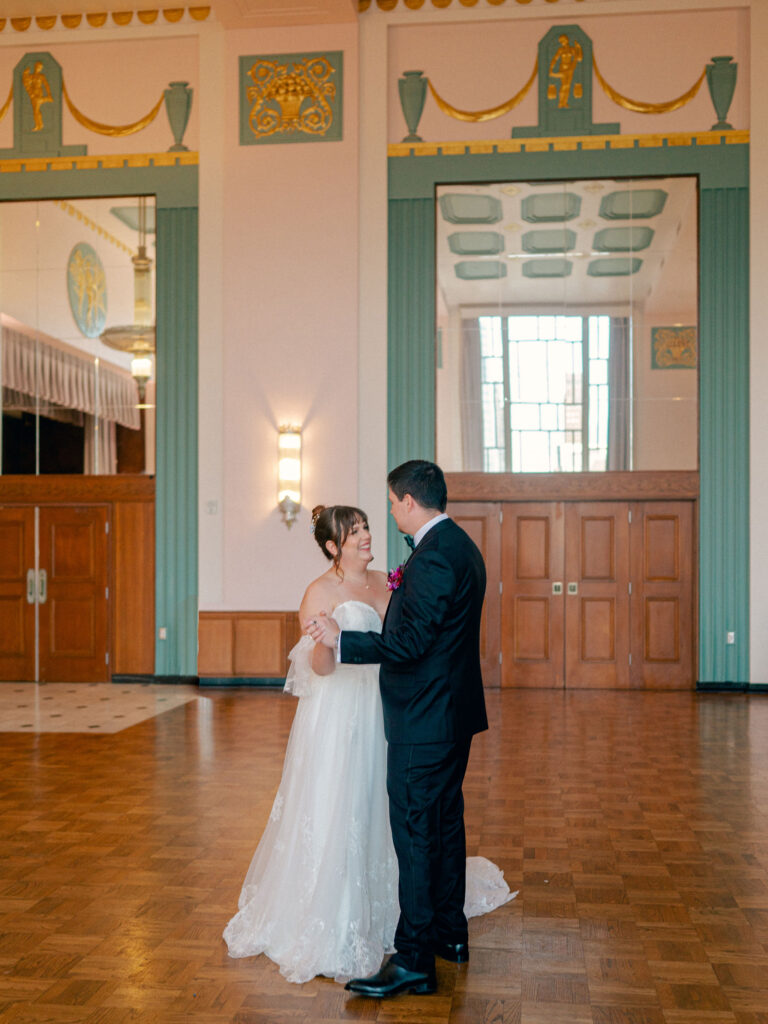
x=409, y=541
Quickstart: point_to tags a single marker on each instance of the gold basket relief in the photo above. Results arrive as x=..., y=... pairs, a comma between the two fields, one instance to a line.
x=673, y=348
x=295, y=100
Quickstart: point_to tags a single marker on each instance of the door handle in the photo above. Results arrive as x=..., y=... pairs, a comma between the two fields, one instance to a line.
x=30, y=586
x=557, y=588
x=573, y=588
x=42, y=586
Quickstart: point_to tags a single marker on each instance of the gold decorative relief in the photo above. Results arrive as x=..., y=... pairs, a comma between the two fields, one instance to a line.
x=87, y=287
x=148, y=17
x=673, y=348
x=96, y=20
x=291, y=96
x=38, y=90
x=122, y=17
x=46, y=22
x=563, y=67
x=71, y=20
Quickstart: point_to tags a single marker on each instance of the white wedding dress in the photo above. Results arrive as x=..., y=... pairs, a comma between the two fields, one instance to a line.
x=320, y=896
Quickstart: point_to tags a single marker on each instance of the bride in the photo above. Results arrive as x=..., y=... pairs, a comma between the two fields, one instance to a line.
x=320, y=896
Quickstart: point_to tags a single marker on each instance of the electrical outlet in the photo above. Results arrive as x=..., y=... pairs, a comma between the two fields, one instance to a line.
x=730, y=637
x=162, y=633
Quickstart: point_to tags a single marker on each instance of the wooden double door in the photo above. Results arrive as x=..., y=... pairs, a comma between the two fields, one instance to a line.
x=54, y=593
x=591, y=594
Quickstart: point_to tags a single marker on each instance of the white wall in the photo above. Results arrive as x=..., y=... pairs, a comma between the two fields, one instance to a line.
x=283, y=344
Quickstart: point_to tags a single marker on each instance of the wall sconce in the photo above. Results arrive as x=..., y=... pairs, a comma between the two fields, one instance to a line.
x=289, y=473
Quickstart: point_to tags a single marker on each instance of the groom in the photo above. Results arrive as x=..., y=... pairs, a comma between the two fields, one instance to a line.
x=432, y=695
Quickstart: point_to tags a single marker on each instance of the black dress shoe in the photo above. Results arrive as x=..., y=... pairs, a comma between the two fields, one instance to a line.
x=391, y=979
x=456, y=952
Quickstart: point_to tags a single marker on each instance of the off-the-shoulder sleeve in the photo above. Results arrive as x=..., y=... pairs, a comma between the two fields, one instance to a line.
x=300, y=674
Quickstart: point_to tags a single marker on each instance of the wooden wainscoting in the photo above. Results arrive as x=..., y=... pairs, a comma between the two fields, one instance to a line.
x=246, y=645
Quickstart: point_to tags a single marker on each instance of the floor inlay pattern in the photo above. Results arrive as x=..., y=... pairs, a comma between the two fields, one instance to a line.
x=86, y=707
x=634, y=825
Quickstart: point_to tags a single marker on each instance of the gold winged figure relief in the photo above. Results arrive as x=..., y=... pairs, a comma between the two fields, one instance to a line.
x=38, y=90
x=291, y=101
x=568, y=55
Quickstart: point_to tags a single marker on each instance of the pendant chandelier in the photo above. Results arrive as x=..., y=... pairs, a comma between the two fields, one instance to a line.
x=138, y=338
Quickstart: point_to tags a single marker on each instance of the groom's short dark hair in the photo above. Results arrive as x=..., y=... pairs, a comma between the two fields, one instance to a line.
x=423, y=480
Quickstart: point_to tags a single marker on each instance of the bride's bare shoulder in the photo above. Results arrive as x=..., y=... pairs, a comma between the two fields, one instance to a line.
x=318, y=597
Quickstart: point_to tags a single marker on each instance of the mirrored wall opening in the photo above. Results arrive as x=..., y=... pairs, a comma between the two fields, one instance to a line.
x=566, y=319
x=77, y=336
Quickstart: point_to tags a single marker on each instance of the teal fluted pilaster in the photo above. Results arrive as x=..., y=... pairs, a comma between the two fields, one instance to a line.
x=724, y=435
x=176, y=486
x=411, y=350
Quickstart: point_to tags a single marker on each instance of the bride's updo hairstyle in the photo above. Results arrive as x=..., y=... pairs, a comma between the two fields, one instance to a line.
x=333, y=523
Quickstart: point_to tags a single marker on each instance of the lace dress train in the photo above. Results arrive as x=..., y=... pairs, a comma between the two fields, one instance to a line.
x=320, y=895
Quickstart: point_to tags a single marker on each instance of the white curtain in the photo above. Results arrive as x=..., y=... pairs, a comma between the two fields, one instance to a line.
x=619, y=406
x=100, y=449
x=471, y=397
x=64, y=380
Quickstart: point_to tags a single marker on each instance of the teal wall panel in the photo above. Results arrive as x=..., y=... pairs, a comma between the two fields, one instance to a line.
x=724, y=435
x=176, y=486
x=722, y=166
x=175, y=188
x=411, y=349
x=723, y=174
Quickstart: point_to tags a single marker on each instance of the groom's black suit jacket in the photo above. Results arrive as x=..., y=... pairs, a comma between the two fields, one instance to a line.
x=429, y=647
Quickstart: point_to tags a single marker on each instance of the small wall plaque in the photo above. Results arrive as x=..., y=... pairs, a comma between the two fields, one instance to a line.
x=674, y=348
x=87, y=288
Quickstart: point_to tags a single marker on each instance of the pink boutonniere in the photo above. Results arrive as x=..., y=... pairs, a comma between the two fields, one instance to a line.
x=395, y=577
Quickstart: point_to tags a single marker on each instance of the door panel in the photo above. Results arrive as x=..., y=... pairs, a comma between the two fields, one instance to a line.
x=17, y=613
x=481, y=522
x=662, y=599
x=73, y=614
x=597, y=595
x=532, y=616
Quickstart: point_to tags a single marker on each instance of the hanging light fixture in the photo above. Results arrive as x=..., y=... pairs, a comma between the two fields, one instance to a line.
x=138, y=338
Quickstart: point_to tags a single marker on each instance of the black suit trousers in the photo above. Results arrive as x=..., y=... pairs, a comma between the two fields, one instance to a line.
x=426, y=811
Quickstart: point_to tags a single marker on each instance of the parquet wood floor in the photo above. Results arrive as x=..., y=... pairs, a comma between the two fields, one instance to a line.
x=635, y=826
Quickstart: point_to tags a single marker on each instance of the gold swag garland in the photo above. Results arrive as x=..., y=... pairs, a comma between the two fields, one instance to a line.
x=117, y=131
x=623, y=101
x=4, y=108
x=648, y=108
x=492, y=112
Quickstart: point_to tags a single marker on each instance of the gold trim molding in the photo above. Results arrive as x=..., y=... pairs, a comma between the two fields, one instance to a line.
x=569, y=143
x=416, y=5
x=73, y=211
x=99, y=19
x=112, y=161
